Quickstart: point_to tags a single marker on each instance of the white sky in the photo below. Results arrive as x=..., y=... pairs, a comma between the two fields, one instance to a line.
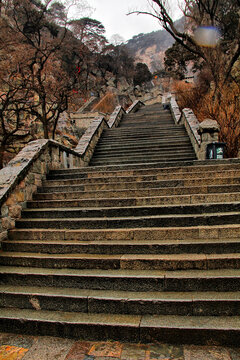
x=112, y=14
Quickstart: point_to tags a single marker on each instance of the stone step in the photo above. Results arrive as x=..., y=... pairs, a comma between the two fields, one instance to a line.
x=141, y=170
x=139, y=193
x=146, y=145
x=223, y=280
x=161, y=246
x=143, y=132
x=141, y=155
x=130, y=211
x=138, y=178
x=145, y=201
x=103, y=153
x=146, y=138
x=131, y=328
x=142, y=160
x=151, y=168
x=121, y=302
x=173, y=220
x=173, y=183
x=135, y=234
x=169, y=262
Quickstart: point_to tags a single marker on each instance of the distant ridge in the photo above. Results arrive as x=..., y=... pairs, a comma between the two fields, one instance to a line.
x=150, y=48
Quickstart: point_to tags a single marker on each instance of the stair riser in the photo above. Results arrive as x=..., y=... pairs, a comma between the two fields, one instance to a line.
x=142, y=160
x=209, y=220
x=149, y=169
x=128, y=211
x=141, y=151
x=116, y=179
x=48, y=248
x=167, y=191
x=159, y=234
x=136, y=147
x=128, y=283
x=174, y=200
x=121, y=306
x=142, y=185
x=200, y=263
x=88, y=331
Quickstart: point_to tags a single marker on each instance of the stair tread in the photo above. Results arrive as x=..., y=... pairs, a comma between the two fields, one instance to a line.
x=118, y=295
x=148, y=321
x=100, y=273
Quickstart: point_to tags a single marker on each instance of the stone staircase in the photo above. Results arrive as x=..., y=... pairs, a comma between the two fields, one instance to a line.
x=150, y=135
x=143, y=251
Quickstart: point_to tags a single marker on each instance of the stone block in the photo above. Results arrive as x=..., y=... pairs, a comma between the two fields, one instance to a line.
x=15, y=211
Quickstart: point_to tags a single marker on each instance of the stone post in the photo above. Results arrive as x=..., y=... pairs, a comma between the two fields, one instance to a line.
x=209, y=131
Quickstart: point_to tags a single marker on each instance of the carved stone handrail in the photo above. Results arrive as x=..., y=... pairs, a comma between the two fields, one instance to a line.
x=200, y=134
x=23, y=174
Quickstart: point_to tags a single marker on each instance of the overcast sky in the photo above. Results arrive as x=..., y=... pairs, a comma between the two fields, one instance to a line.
x=112, y=14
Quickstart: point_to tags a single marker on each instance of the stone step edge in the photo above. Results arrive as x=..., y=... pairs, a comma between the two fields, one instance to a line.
x=194, y=174
x=209, y=232
x=119, y=273
x=153, y=166
x=119, y=295
x=135, y=328
x=185, y=207
x=110, y=242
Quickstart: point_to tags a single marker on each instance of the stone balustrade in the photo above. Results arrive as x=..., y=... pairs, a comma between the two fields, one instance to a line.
x=23, y=174
x=200, y=134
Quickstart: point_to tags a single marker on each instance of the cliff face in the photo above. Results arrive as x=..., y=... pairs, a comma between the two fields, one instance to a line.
x=150, y=48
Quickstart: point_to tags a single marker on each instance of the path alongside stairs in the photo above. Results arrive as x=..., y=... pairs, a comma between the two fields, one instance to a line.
x=134, y=252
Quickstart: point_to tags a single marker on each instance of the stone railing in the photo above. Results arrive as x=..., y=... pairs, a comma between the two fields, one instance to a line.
x=23, y=174
x=91, y=136
x=135, y=106
x=200, y=134
x=21, y=177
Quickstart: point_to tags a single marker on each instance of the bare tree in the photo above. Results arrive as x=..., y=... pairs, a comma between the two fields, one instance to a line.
x=221, y=14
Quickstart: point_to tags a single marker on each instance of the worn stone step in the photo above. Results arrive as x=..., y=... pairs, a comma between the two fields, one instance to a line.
x=161, y=246
x=140, y=160
x=169, y=262
x=224, y=330
x=141, y=185
x=157, y=200
x=121, y=302
x=176, y=220
x=134, y=234
x=71, y=324
x=103, y=154
x=130, y=211
x=177, y=166
x=138, y=193
x=146, y=145
x=138, y=178
x=150, y=132
x=227, y=280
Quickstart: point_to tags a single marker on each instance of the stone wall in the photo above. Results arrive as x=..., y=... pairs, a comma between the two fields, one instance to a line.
x=21, y=177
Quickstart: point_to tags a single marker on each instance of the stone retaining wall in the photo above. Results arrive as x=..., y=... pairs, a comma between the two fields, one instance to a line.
x=23, y=174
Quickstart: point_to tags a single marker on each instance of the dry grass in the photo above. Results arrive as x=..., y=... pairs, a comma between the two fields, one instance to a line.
x=107, y=104
x=223, y=107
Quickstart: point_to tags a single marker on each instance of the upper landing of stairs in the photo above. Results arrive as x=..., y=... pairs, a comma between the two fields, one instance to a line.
x=147, y=136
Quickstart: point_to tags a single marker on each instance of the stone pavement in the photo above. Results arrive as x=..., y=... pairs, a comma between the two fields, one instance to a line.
x=24, y=347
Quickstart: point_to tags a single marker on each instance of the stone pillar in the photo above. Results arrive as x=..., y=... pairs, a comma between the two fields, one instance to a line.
x=209, y=131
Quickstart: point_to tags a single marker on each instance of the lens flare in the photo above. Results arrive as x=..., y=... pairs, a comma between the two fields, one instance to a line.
x=207, y=36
